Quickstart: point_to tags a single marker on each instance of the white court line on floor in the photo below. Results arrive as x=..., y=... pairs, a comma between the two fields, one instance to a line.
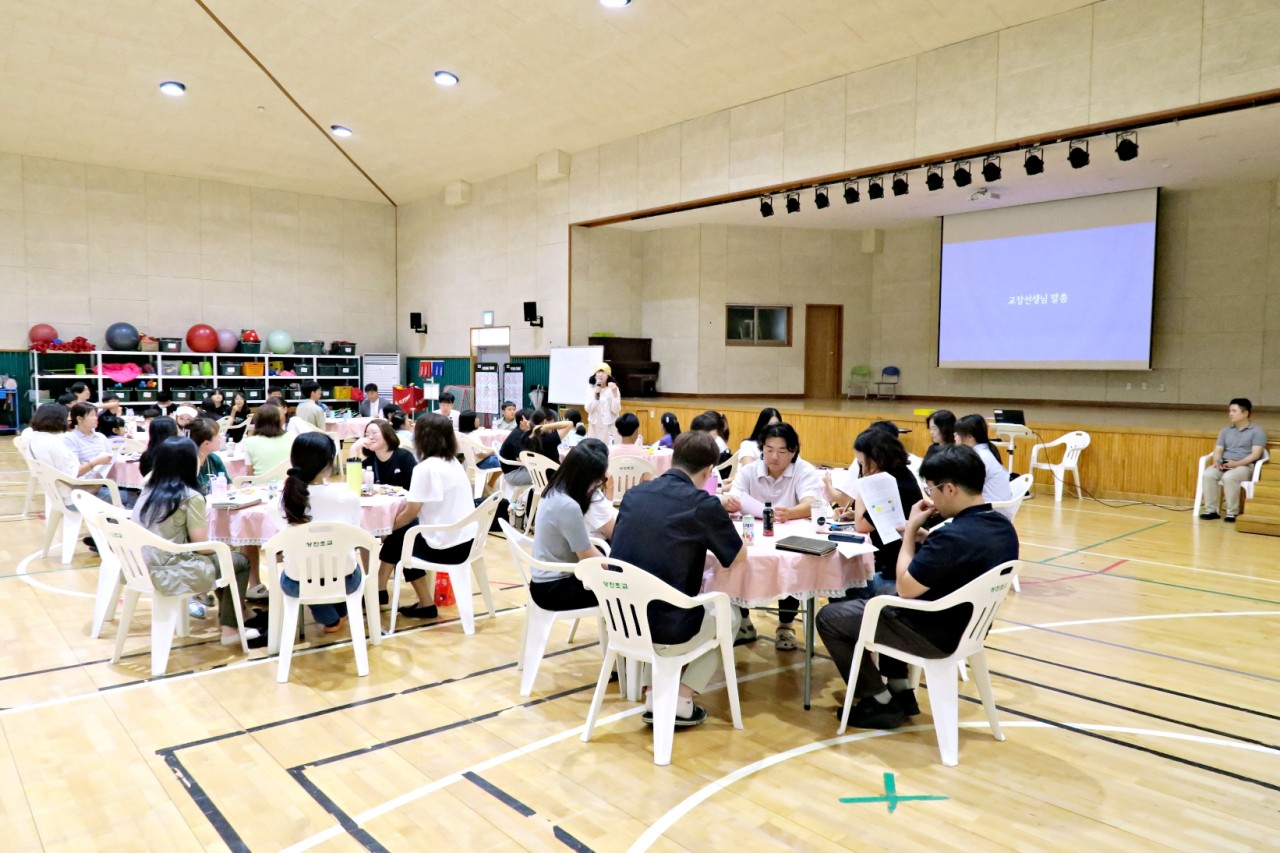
x=662, y=824
x=1235, y=575
x=21, y=571
x=1052, y=506
x=1147, y=618
x=443, y=782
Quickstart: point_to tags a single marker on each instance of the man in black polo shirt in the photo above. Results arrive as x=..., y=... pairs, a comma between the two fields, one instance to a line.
x=666, y=527
x=931, y=565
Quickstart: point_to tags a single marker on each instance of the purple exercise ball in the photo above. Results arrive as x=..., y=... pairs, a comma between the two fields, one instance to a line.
x=227, y=340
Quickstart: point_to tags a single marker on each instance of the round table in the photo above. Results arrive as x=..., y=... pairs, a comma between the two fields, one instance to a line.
x=490, y=438
x=771, y=574
x=127, y=474
x=346, y=427
x=254, y=525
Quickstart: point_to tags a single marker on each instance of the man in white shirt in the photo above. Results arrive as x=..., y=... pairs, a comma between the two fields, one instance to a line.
x=781, y=478
x=309, y=410
x=447, y=410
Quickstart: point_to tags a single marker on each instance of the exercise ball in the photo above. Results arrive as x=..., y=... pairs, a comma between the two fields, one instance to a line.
x=42, y=333
x=279, y=342
x=227, y=340
x=123, y=337
x=202, y=338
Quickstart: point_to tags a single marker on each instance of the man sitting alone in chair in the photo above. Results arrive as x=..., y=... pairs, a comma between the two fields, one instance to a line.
x=1240, y=446
x=931, y=565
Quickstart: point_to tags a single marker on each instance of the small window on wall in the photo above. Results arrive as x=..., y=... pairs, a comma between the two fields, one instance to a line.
x=757, y=325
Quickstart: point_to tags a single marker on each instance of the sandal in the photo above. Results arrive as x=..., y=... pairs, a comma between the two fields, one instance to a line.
x=785, y=639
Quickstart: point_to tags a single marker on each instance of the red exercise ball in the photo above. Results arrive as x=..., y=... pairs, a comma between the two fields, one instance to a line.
x=42, y=332
x=202, y=338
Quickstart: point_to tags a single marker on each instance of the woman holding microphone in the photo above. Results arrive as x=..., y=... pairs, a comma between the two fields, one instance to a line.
x=604, y=404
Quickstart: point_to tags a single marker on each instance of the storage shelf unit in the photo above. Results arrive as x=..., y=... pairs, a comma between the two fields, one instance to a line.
x=52, y=373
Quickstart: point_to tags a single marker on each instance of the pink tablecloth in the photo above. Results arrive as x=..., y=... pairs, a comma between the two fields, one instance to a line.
x=772, y=574
x=127, y=474
x=490, y=438
x=348, y=428
x=254, y=525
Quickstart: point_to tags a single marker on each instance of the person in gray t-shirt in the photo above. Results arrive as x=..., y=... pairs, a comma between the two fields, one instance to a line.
x=1240, y=446
x=560, y=529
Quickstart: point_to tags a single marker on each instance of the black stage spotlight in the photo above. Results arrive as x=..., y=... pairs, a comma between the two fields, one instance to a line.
x=933, y=180
x=900, y=186
x=821, y=199
x=793, y=202
x=1033, y=161
x=1078, y=155
x=851, y=194
x=766, y=206
x=876, y=188
x=962, y=175
x=1127, y=145
x=991, y=168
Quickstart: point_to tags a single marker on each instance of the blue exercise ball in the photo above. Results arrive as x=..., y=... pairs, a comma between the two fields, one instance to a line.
x=123, y=337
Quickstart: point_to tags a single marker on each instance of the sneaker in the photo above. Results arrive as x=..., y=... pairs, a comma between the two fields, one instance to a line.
x=258, y=592
x=1230, y=519
x=250, y=634
x=746, y=633
x=906, y=702
x=696, y=717
x=384, y=600
x=258, y=619
x=205, y=598
x=871, y=714
x=785, y=639
x=419, y=611
x=1209, y=516
x=90, y=544
x=336, y=626
x=195, y=609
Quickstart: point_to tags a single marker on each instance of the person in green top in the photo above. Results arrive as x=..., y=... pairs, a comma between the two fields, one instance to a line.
x=204, y=432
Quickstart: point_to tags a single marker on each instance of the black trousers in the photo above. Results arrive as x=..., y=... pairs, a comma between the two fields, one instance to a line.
x=562, y=594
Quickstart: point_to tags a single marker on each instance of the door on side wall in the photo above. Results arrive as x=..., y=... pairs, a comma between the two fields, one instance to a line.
x=823, y=334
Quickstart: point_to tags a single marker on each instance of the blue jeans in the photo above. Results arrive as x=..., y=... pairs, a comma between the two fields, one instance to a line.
x=325, y=614
x=488, y=463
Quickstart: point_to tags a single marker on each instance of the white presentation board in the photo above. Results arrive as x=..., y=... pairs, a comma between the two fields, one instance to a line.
x=571, y=369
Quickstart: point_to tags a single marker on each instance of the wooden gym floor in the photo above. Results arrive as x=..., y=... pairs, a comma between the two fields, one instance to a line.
x=1138, y=674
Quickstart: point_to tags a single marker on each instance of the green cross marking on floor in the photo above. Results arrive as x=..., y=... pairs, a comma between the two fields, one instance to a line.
x=891, y=795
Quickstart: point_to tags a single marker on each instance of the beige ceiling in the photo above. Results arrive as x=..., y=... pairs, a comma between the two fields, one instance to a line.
x=80, y=77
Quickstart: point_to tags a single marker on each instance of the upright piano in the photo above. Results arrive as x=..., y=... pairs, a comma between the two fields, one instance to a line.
x=631, y=360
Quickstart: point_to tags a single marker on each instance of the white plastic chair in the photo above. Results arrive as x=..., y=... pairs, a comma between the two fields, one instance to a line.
x=468, y=446
x=133, y=446
x=298, y=426
x=1021, y=487
x=1075, y=443
x=624, y=593
x=479, y=521
x=125, y=540
x=1246, y=487
x=539, y=468
x=726, y=471
x=32, y=481
x=537, y=621
x=275, y=474
x=319, y=556
x=985, y=593
x=627, y=472
x=56, y=510
x=105, y=599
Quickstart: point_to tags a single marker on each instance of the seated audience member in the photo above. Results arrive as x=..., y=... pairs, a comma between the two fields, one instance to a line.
x=628, y=429
x=111, y=404
x=114, y=428
x=149, y=414
x=164, y=402
x=604, y=404
x=1240, y=445
x=508, y=421
x=950, y=556
x=971, y=431
x=794, y=487
x=878, y=452
x=238, y=412
x=92, y=448
x=711, y=423
x=666, y=527
x=48, y=444
x=309, y=411
x=371, y=405
x=670, y=429
x=309, y=496
x=942, y=429
x=205, y=433
x=447, y=410
x=561, y=534
x=269, y=445
x=542, y=437
x=214, y=405
x=81, y=392
x=172, y=507
x=158, y=430
x=439, y=493
x=509, y=452
x=183, y=416
x=576, y=434
x=392, y=465
x=749, y=450
x=66, y=399
x=486, y=457
x=279, y=402
x=400, y=423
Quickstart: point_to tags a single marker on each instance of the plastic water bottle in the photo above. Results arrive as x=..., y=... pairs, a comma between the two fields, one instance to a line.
x=748, y=530
x=768, y=519
x=231, y=446
x=219, y=486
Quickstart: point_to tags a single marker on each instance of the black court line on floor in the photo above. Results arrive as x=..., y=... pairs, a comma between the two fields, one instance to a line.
x=525, y=811
x=344, y=820
x=1204, y=699
x=64, y=667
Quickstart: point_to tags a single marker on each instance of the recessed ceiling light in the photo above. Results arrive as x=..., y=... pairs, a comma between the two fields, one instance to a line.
x=173, y=88
x=446, y=78
x=339, y=131
x=615, y=4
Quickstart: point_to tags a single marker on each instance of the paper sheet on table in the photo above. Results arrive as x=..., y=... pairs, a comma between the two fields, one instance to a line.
x=880, y=497
x=751, y=506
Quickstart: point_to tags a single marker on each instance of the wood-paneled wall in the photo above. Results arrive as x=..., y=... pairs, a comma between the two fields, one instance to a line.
x=1135, y=463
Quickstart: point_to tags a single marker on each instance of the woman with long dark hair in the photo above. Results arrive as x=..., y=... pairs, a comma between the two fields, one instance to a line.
x=160, y=429
x=942, y=429
x=561, y=533
x=971, y=431
x=749, y=450
x=486, y=457
x=307, y=497
x=172, y=507
x=670, y=429
x=878, y=452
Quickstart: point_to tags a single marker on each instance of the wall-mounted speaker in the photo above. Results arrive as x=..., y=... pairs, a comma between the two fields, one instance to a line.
x=415, y=322
x=531, y=315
